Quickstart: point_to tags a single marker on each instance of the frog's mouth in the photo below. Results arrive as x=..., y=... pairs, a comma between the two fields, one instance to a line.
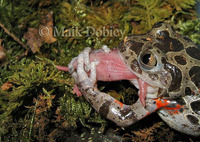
x=145, y=90
x=113, y=68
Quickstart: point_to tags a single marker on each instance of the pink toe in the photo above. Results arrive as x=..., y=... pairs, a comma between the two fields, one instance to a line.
x=76, y=91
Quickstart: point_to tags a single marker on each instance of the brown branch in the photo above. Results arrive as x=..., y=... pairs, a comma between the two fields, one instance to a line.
x=13, y=36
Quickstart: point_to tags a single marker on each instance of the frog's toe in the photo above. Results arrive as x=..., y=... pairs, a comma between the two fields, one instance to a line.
x=82, y=75
x=71, y=65
x=105, y=48
x=76, y=91
x=86, y=53
x=83, y=81
x=93, y=73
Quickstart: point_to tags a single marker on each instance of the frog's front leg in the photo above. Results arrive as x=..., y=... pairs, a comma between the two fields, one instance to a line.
x=183, y=115
x=123, y=115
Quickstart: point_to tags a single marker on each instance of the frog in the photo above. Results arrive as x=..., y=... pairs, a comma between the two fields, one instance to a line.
x=162, y=64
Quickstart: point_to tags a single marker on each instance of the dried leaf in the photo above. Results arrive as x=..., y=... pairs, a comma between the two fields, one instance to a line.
x=116, y=95
x=33, y=38
x=6, y=86
x=46, y=29
x=45, y=3
x=2, y=52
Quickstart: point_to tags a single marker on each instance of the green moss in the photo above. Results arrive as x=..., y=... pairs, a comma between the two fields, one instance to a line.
x=78, y=110
x=191, y=28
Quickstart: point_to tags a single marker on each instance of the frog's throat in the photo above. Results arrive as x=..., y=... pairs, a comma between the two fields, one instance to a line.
x=145, y=91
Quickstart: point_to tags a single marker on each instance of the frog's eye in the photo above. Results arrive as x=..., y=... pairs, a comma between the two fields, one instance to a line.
x=148, y=61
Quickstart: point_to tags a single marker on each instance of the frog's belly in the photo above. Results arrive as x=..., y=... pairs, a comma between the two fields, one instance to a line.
x=111, y=66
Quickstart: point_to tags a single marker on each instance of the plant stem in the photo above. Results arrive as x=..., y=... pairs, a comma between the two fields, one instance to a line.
x=13, y=36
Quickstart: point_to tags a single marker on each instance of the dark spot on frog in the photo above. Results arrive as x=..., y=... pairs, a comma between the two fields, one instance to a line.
x=180, y=101
x=131, y=53
x=162, y=93
x=153, y=76
x=127, y=114
x=172, y=29
x=104, y=109
x=192, y=119
x=167, y=43
x=158, y=25
x=180, y=60
x=176, y=75
x=122, y=48
x=196, y=106
x=187, y=39
x=194, y=52
x=127, y=57
x=135, y=66
x=188, y=91
x=90, y=101
x=158, y=51
x=136, y=46
x=195, y=75
x=181, y=110
x=149, y=47
x=165, y=94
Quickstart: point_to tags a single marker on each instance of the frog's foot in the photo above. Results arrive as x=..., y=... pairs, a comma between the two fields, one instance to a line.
x=183, y=115
x=71, y=66
x=81, y=76
x=83, y=61
x=76, y=91
x=105, y=48
x=62, y=68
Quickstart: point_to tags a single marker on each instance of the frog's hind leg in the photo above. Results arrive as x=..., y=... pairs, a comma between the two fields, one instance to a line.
x=183, y=115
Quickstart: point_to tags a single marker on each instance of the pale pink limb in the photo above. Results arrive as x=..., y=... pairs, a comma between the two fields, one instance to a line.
x=76, y=91
x=143, y=91
x=62, y=68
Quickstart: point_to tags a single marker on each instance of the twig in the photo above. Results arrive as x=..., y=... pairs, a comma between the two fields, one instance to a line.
x=32, y=121
x=14, y=37
x=45, y=59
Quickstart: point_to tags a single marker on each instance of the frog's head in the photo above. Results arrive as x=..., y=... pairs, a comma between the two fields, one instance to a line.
x=165, y=60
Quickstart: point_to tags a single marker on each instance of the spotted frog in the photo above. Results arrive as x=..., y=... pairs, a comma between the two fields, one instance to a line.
x=162, y=64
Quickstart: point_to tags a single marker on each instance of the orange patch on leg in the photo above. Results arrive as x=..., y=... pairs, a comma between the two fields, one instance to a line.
x=119, y=103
